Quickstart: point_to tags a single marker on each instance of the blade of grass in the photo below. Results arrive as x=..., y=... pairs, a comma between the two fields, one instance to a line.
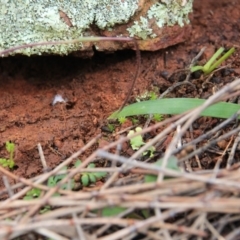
x=207, y=66
x=177, y=106
x=219, y=61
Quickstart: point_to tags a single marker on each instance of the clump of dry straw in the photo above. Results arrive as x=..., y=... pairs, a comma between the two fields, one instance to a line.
x=190, y=204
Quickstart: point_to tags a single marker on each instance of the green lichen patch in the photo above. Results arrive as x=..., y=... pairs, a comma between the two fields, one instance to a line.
x=111, y=12
x=165, y=13
x=141, y=29
x=28, y=21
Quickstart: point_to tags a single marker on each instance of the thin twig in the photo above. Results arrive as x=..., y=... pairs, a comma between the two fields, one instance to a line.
x=7, y=186
x=42, y=158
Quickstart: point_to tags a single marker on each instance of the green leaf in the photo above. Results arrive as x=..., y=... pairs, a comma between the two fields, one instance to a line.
x=7, y=163
x=209, y=63
x=111, y=127
x=213, y=63
x=58, y=178
x=28, y=198
x=52, y=181
x=219, y=61
x=134, y=121
x=77, y=163
x=150, y=151
x=86, y=177
x=112, y=211
x=171, y=164
x=10, y=147
x=56, y=195
x=91, y=165
x=92, y=177
x=146, y=213
x=136, y=142
x=4, y=162
x=85, y=180
x=66, y=185
x=11, y=163
x=45, y=209
x=100, y=175
x=33, y=193
x=177, y=106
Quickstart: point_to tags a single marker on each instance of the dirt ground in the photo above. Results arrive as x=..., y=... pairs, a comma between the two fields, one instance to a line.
x=96, y=87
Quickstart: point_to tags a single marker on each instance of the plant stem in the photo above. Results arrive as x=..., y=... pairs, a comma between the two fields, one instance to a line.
x=6, y=52
x=207, y=66
x=196, y=68
x=219, y=61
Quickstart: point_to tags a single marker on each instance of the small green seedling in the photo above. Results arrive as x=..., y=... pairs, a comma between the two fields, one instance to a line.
x=213, y=63
x=112, y=211
x=149, y=152
x=135, y=121
x=90, y=177
x=10, y=147
x=157, y=117
x=36, y=193
x=86, y=179
x=122, y=120
x=171, y=164
x=33, y=193
x=137, y=142
x=53, y=181
x=147, y=95
x=111, y=127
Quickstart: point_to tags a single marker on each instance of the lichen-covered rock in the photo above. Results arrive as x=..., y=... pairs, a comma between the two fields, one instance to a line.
x=156, y=24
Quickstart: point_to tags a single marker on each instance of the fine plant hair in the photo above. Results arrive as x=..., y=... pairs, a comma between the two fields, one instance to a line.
x=6, y=52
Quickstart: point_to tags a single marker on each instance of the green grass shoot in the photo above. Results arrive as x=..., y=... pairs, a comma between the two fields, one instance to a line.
x=213, y=63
